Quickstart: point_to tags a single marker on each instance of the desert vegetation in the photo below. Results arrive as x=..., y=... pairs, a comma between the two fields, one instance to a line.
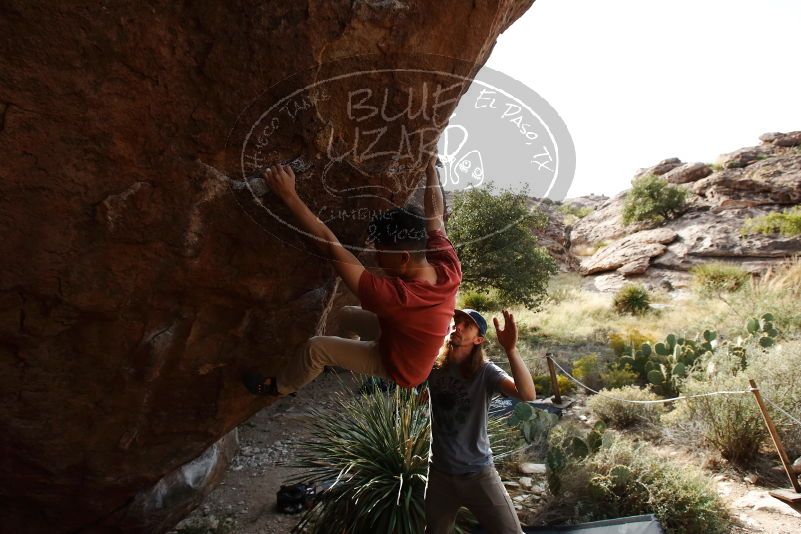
x=653, y=200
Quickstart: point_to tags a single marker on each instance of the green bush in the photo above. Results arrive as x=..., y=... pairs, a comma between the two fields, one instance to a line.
x=732, y=424
x=478, y=300
x=653, y=200
x=632, y=299
x=543, y=385
x=623, y=479
x=619, y=414
x=505, y=439
x=718, y=277
x=786, y=223
x=588, y=369
x=495, y=237
x=619, y=376
x=574, y=211
x=776, y=372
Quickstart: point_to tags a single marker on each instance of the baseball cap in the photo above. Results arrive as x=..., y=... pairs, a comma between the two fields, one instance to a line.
x=477, y=318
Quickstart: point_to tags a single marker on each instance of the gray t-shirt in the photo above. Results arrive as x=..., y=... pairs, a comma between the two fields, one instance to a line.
x=459, y=442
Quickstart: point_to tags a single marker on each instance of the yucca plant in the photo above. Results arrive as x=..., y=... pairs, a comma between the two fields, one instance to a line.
x=373, y=450
x=632, y=299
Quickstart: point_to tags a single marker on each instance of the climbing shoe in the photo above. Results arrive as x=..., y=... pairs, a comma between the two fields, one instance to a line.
x=260, y=385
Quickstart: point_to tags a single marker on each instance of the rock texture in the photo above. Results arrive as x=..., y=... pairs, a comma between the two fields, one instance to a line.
x=689, y=172
x=749, y=182
x=136, y=284
x=555, y=236
x=161, y=506
x=603, y=225
x=631, y=254
x=660, y=168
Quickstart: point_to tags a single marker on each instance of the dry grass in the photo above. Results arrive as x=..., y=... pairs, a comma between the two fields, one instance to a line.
x=573, y=316
x=588, y=317
x=784, y=277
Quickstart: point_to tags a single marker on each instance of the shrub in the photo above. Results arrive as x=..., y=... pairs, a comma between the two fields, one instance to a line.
x=622, y=342
x=478, y=300
x=619, y=414
x=619, y=376
x=786, y=223
x=718, y=277
x=653, y=200
x=573, y=212
x=494, y=234
x=563, y=287
x=543, y=385
x=784, y=277
x=775, y=371
x=731, y=424
x=588, y=370
x=623, y=479
x=633, y=299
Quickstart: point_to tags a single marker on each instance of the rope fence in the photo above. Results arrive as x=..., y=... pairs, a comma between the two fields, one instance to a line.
x=680, y=397
x=779, y=408
x=782, y=495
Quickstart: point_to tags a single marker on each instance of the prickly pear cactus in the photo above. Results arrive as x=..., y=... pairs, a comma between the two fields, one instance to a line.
x=762, y=330
x=531, y=421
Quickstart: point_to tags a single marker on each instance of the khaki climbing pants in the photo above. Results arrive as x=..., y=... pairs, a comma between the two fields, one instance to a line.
x=360, y=356
x=482, y=493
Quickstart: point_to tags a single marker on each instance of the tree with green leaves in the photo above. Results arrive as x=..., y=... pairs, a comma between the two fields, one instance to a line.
x=653, y=200
x=494, y=236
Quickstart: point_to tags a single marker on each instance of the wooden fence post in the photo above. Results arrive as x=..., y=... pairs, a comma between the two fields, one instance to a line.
x=554, y=382
x=776, y=441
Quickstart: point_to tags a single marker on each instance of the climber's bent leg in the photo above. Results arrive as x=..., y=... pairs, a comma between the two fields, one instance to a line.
x=361, y=357
x=353, y=320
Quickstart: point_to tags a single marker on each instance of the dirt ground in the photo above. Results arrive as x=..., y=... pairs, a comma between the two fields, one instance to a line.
x=245, y=502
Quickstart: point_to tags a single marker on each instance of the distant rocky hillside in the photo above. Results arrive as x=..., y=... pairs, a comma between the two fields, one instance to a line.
x=749, y=182
x=587, y=234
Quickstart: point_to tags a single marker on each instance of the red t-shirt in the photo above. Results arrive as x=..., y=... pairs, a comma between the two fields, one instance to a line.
x=414, y=315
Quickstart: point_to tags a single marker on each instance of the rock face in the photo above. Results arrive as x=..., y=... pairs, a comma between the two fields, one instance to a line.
x=161, y=506
x=136, y=283
x=603, y=225
x=750, y=182
x=660, y=168
x=775, y=180
x=689, y=172
x=555, y=236
x=631, y=254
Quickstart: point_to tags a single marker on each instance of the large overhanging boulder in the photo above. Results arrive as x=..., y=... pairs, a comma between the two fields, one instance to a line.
x=138, y=279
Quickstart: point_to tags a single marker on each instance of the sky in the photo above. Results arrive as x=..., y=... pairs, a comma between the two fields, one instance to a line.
x=638, y=81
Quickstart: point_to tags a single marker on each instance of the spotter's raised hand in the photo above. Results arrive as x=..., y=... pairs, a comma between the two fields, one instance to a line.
x=507, y=336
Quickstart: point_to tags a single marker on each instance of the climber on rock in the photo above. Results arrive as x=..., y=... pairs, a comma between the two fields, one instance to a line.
x=404, y=315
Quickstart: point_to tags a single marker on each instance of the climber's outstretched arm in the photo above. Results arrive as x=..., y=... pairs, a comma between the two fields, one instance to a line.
x=281, y=180
x=434, y=199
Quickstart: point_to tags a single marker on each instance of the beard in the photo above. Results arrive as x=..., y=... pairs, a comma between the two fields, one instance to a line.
x=455, y=340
